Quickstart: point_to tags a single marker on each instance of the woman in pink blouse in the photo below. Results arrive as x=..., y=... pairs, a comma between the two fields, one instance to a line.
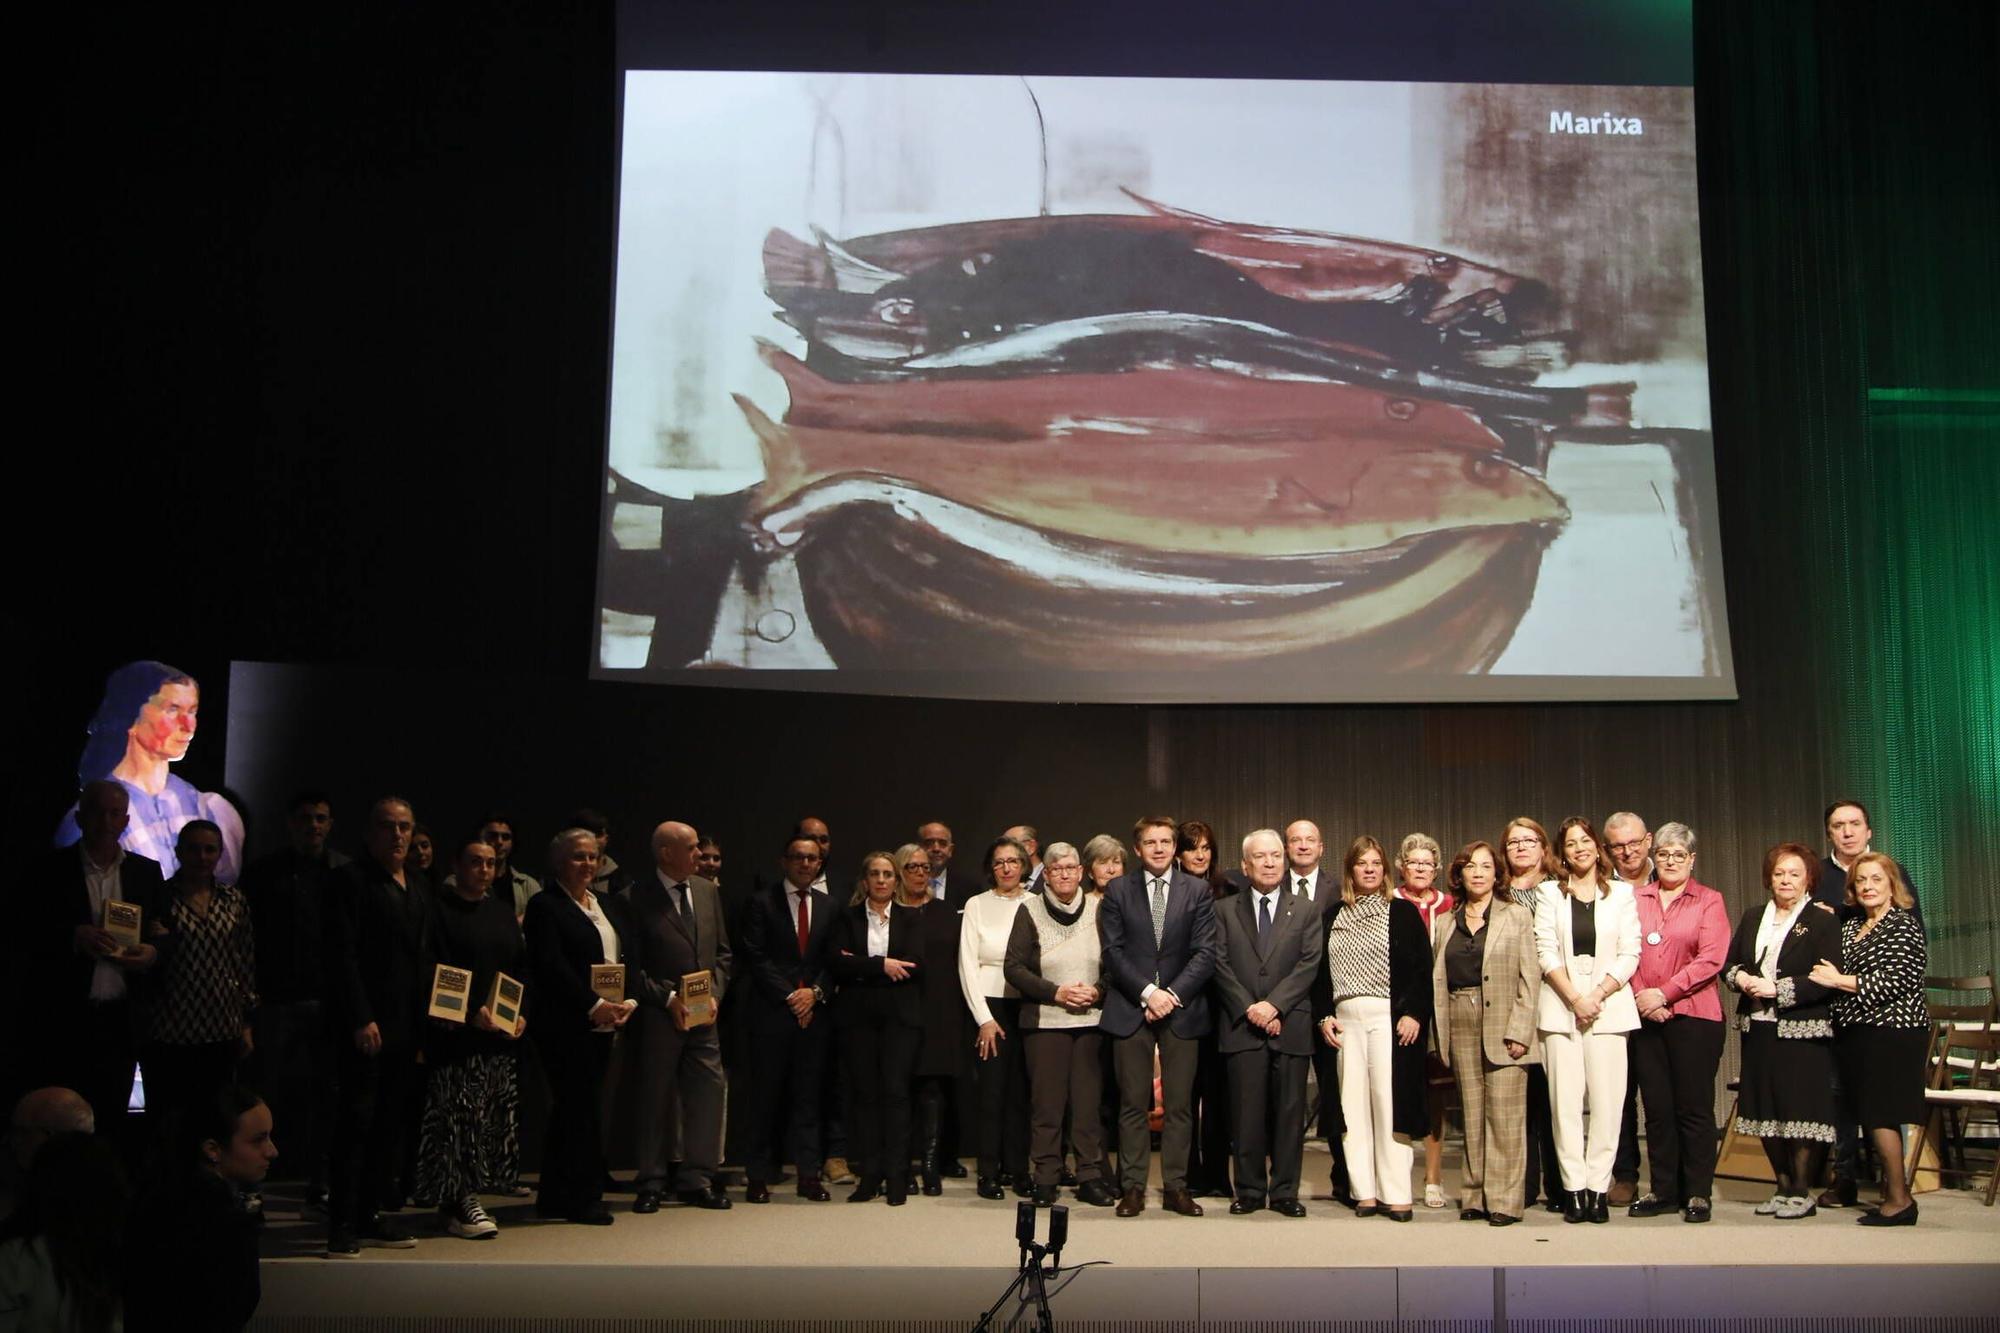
x=1683, y=943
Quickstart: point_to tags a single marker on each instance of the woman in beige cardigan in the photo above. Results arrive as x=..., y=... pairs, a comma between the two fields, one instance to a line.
x=1486, y=979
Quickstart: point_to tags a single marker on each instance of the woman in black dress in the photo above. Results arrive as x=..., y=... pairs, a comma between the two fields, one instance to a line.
x=569, y=931
x=1881, y=1023
x=880, y=1024
x=940, y=1060
x=1208, y=1163
x=1785, y=1096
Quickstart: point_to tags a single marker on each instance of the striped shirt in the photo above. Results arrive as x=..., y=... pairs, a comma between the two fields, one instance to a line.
x=1357, y=949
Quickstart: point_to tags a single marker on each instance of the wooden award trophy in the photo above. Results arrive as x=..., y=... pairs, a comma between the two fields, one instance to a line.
x=451, y=989
x=121, y=923
x=505, y=1001
x=698, y=998
x=607, y=982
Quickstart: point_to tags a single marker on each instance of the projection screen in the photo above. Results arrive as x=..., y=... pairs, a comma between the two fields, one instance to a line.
x=1024, y=386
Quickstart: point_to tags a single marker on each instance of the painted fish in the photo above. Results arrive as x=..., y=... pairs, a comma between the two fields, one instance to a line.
x=1314, y=493
x=1112, y=343
x=1145, y=401
x=1087, y=270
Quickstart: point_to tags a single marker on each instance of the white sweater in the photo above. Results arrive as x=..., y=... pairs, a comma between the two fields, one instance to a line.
x=983, y=929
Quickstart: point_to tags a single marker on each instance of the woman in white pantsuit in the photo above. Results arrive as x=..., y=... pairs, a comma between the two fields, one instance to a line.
x=1587, y=942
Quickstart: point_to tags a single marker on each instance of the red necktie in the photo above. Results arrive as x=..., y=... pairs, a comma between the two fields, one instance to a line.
x=805, y=921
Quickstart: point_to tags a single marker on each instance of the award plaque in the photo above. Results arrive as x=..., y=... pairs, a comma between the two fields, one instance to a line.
x=607, y=981
x=698, y=998
x=505, y=1001
x=451, y=990
x=121, y=923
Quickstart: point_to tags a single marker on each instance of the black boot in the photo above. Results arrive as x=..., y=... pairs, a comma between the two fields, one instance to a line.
x=1572, y=1205
x=930, y=1122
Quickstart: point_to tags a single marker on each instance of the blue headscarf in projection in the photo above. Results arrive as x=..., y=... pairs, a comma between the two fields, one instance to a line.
x=126, y=691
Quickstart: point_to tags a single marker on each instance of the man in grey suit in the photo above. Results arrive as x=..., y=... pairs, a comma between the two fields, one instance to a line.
x=1264, y=968
x=1157, y=925
x=679, y=915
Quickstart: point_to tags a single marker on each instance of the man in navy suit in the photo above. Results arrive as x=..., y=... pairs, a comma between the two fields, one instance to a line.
x=786, y=989
x=1159, y=941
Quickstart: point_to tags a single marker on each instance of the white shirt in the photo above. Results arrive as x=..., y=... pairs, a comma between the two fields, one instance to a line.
x=607, y=937
x=878, y=931
x=1771, y=932
x=107, y=981
x=1292, y=878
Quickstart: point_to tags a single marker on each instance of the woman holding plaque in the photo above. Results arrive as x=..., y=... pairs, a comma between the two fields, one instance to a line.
x=198, y=1026
x=574, y=942
x=471, y=1128
x=876, y=958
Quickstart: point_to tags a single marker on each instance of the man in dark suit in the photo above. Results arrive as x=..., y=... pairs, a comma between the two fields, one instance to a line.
x=785, y=933
x=377, y=914
x=947, y=885
x=1270, y=952
x=1031, y=843
x=77, y=984
x=678, y=929
x=1158, y=929
x=1308, y=878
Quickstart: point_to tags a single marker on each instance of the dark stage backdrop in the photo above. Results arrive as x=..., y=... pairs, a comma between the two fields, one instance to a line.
x=323, y=304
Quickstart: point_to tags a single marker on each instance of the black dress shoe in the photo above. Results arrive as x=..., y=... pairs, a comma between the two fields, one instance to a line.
x=1575, y=1205
x=1697, y=1210
x=596, y=1215
x=1500, y=1220
x=1045, y=1196
x=1288, y=1208
x=932, y=1186
x=866, y=1190
x=712, y=1197
x=1024, y=1188
x=1472, y=1215
x=954, y=1168
x=1557, y=1203
x=1097, y=1193
x=1600, y=1211
x=1399, y=1214
x=1244, y=1207
x=811, y=1188
x=756, y=1191
x=647, y=1202
x=991, y=1188
x=1877, y=1218
x=1650, y=1204
x=1004, y=1176
x=1067, y=1178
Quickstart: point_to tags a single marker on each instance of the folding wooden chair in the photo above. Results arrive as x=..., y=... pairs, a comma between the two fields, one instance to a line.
x=1963, y=1075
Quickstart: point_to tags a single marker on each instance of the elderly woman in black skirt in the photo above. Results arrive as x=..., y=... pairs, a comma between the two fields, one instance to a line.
x=1881, y=1024
x=1786, y=1020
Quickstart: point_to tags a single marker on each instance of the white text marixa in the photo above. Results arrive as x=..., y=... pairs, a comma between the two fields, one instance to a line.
x=1564, y=122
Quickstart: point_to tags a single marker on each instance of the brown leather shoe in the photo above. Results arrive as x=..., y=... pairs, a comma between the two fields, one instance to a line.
x=1622, y=1193
x=1180, y=1201
x=1131, y=1203
x=810, y=1188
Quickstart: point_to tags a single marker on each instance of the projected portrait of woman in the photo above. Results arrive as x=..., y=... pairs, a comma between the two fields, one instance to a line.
x=144, y=723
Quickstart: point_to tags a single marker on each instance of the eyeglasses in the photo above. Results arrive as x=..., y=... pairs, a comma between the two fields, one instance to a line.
x=1006, y=860
x=1071, y=869
x=1530, y=841
x=921, y=867
x=1672, y=858
x=1628, y=845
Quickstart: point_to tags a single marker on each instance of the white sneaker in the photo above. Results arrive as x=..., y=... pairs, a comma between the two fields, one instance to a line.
x=1799, y=1205
x=1433, y=1196
x=1771, y=1205
x=471, y=1221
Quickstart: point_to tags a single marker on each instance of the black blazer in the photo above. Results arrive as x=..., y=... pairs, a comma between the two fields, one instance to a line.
x=863, y=978
x=56, y=978
x=1410, y=996
x=771, y=961
x=1282, y=973
x=377, y=941
x=1804, y=1009
x=563, y=945
x=1184, y=959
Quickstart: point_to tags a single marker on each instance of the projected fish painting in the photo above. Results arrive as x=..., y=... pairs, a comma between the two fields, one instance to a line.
x=1041, y=440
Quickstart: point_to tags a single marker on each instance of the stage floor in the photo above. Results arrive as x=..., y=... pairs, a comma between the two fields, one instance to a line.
x=936, y=1263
